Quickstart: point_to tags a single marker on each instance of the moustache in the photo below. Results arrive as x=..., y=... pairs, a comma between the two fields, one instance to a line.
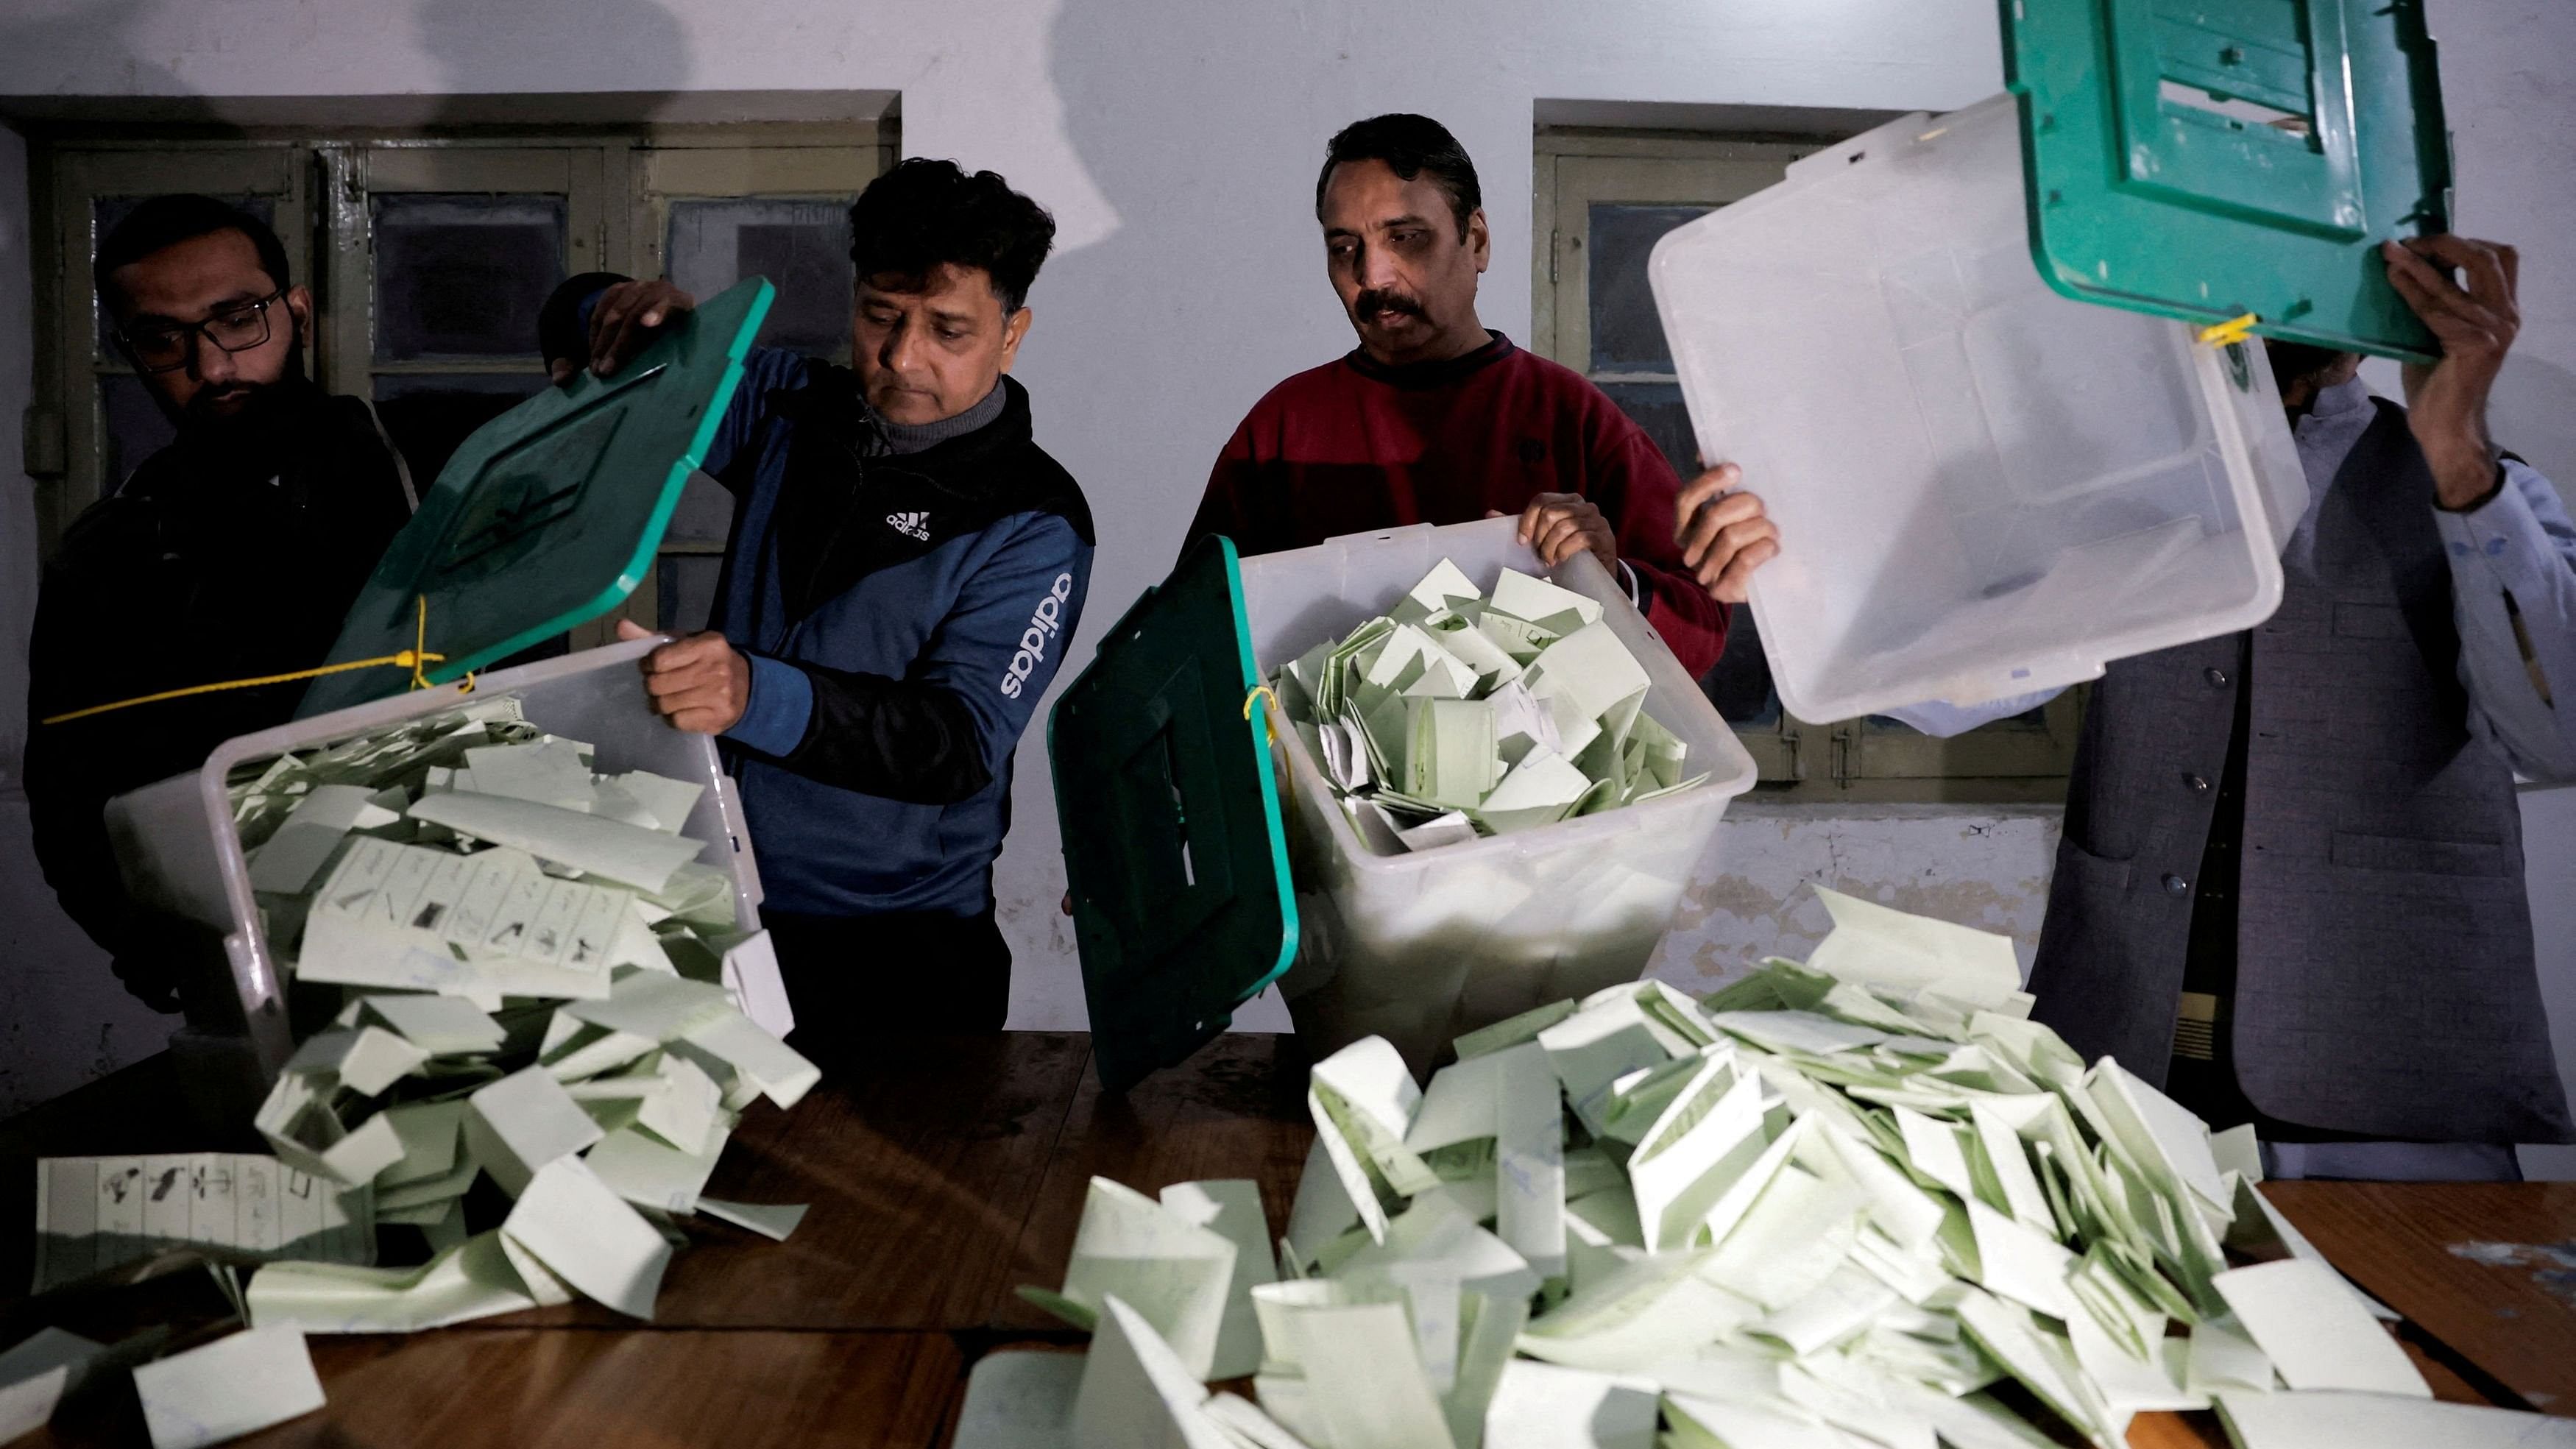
x=1377, y=301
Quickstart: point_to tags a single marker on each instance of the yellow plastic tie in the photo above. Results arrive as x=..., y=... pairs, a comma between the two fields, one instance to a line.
x=420, y=653
x=1262, y=691
x=2229, y=332
x=411, y=659
x=419, y=642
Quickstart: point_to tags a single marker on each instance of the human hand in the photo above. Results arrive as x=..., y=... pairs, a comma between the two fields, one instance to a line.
x=1560, y=525
x=2446, y=403
x=1723, y=533
x=700, y=683
x=626, y=318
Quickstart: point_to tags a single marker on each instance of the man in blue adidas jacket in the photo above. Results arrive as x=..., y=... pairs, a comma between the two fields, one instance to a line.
x=905, y=571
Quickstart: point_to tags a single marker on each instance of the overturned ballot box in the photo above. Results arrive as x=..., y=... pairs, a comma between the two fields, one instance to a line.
x=1212, y=848
x=485, y=929
x=1998, y=374
x=1983, y=488
x=544, y=520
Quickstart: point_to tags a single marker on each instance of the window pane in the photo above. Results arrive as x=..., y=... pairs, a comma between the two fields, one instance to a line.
x=802, y=247
x=1658, y=408
x=1626, y=335
x=464, y=275
x=107, y=211
x=135, y=430
x=429, y=417
x=688, y=590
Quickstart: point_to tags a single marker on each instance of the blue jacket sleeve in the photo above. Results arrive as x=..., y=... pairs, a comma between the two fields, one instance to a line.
x=945, y=731
x=764, y=370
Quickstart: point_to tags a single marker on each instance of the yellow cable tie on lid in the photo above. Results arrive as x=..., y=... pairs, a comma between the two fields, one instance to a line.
x=411, y=659
x=2229, y=332
x=1263, y=691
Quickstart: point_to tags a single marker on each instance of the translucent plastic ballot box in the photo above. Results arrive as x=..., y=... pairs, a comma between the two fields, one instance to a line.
x=1174, y=856
x=2213, y=161
x=545, y=518
x=176, y=842
x=1423, y=946
x=1983, y=488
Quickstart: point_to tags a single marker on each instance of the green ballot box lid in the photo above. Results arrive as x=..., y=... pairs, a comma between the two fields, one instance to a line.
x=2206, y=159
x=1173, y=847
x=548, y=516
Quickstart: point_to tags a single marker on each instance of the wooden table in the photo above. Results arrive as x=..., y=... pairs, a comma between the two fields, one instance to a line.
x=954, y=1169
x=2484, y=1272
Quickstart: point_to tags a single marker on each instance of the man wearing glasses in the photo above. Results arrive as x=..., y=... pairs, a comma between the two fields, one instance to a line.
x=232, y=553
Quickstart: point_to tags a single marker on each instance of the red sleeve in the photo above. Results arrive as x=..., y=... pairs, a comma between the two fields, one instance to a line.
x=1630, y=482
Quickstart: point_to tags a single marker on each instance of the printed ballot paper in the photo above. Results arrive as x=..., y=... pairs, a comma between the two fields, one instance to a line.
x=1460, y=716
x=93, y=1213
x=538, y=981
x=233, y=1386
x=1829, y=1205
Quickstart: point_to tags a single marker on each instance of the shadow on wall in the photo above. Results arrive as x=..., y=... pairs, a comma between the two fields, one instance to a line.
x=91, y=30
x=509, y=46
x=1213, y=288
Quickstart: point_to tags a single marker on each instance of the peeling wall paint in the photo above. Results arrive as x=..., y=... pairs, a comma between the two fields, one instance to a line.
x=1968, y=864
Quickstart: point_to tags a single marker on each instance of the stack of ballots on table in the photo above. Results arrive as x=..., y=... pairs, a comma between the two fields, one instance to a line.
x=1862, y=1201
x=537, y=982
x=1459, y=716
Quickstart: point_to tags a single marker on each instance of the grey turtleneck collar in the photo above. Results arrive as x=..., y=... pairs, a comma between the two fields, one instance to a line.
x=903, y=438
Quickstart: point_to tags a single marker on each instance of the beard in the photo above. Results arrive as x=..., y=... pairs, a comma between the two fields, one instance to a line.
x=243, y=410
x=259, y=426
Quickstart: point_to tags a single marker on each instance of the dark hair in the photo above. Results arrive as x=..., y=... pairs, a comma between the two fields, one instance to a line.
x=924, y=214
x=166, y=221
x=1409, y=145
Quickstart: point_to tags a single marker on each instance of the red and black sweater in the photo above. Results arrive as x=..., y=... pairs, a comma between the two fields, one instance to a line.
x=1356, y=445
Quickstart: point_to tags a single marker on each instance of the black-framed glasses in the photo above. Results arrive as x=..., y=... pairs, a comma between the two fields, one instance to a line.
x=162, y=346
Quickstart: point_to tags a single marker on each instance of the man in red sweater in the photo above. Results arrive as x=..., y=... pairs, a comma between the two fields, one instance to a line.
x=1434, y=418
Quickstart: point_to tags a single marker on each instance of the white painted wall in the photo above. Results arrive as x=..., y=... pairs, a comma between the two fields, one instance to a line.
x=1177, y=142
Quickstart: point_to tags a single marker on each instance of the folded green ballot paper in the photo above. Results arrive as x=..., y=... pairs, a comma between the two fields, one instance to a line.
x=1862, y=1201
x=1461, y=716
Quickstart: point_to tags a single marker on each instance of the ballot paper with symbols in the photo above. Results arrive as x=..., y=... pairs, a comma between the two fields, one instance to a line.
x=93, y=1213
x=1460, y=716
x=1870, y=1205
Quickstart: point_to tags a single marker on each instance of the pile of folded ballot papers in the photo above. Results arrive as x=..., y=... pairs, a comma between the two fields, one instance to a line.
x=1858, y=1202
x=537, y=983
x=1459, y=715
